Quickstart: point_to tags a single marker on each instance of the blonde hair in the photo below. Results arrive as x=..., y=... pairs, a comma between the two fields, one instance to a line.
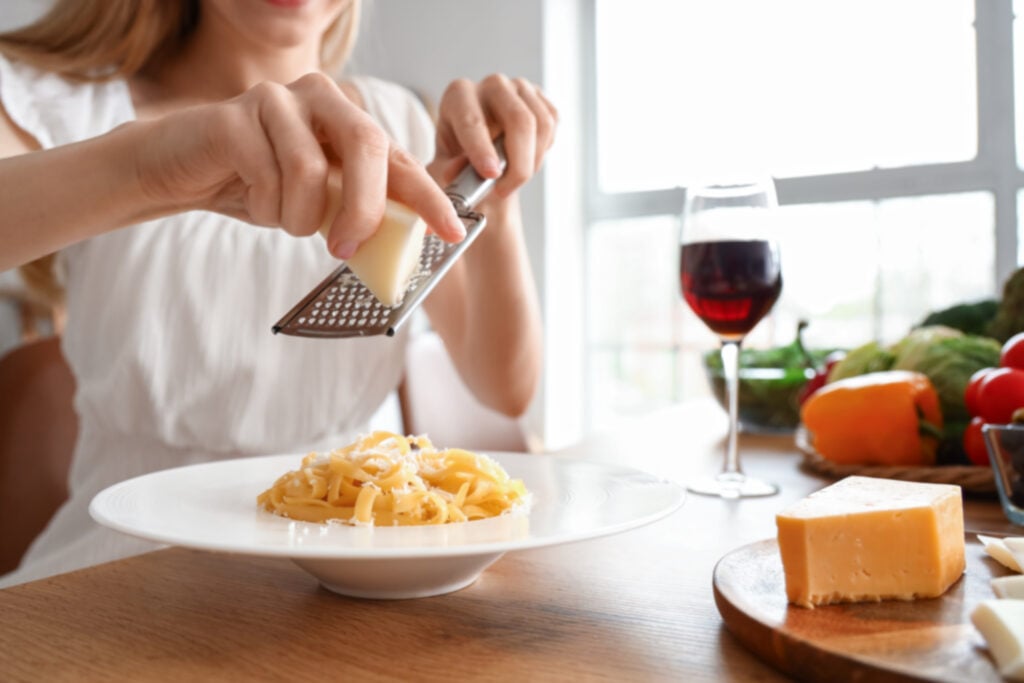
x=98, y=40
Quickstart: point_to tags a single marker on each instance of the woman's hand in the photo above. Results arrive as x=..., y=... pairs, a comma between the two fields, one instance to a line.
x=471, y=115
x=263, y=157
x=486, y=309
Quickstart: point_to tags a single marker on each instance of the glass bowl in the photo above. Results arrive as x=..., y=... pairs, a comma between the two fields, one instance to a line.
x=1005, y=445
x=769, y=398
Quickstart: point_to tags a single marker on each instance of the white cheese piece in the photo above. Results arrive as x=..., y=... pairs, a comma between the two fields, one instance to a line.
x=1015, y=544
x=386, y=262
x=1008, y=586
x=998, y=551
x=1001, y=623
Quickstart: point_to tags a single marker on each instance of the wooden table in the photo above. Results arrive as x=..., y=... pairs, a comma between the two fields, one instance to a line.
x=636, y=606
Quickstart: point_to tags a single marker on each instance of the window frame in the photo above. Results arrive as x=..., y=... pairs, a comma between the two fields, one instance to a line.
x=994, y=169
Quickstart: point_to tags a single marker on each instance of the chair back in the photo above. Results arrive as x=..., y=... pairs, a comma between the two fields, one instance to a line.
x=38, y=427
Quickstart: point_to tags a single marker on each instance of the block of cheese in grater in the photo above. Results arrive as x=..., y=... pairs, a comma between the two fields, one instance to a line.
x=343, y=305
x=385, y=262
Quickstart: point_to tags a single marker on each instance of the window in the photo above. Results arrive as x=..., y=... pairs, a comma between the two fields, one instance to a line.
x=886, y=125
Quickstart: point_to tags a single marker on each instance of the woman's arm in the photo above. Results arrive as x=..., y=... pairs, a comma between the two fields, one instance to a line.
x=486, y=311
x=57, y=197
x=486, y=308
x=262, y=157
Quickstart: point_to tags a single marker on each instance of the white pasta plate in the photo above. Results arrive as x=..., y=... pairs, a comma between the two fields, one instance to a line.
x=212, y=506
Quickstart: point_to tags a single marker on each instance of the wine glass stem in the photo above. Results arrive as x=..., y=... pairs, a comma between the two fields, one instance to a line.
x=731, y=368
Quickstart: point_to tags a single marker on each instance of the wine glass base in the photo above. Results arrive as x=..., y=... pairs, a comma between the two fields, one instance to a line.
x=731, y=486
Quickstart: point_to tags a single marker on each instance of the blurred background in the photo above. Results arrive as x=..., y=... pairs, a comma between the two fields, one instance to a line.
x=890, y=128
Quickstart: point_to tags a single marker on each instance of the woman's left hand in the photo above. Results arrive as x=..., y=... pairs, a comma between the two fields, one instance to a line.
x=471, y=115
x=486, y=308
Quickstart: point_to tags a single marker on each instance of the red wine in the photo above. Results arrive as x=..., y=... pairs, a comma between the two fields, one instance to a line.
x=730, y=284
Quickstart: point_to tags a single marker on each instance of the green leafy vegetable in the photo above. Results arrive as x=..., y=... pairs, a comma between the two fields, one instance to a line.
x=949, y=362
x=910, y=349
x=1009, y=318
x=769, y=383
x=870, y=357
x=969, y=318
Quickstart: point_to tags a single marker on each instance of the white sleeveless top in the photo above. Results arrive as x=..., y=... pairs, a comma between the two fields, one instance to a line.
x=169, y=330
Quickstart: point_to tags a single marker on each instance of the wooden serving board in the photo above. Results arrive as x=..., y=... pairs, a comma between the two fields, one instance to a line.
x=930, y=640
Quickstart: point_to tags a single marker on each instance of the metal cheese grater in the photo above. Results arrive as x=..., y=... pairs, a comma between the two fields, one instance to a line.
x=342, y=306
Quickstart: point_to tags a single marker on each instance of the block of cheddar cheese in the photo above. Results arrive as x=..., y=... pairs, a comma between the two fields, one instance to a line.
x=387, y=261
x=866, y=539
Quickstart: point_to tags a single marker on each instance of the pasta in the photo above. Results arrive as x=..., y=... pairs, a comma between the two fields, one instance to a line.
x=385, y=479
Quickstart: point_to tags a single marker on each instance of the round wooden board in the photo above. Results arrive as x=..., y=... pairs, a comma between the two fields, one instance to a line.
x=930, y=640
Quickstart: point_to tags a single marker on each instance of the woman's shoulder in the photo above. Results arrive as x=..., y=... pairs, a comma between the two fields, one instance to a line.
x=380, y=88
x=56, y=109
x=400, y=111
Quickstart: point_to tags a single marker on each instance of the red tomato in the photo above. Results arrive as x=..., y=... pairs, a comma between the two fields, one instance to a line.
x=1001, y=393
x=971, y=393
x=1012, y=355
x=974, y=443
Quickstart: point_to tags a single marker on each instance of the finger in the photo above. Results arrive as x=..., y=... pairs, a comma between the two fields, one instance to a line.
x=252, y=157
x=463, y=119
x=364, y=153
x=363, y=149
x=519, y=126
x=545, y=120
x=411, y=184
x=552, y=109
x=300, y=160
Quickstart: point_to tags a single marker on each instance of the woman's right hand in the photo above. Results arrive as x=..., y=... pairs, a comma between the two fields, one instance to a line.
x=263, y=157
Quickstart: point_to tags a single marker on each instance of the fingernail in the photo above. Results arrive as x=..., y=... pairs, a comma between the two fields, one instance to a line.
x=457, y=226
x=346, y=249
x=492, y=167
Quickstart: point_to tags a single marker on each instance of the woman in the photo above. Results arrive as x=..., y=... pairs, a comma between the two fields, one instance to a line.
x=159, y=124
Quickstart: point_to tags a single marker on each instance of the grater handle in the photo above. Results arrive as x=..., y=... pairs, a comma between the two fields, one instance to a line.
x=469, y=187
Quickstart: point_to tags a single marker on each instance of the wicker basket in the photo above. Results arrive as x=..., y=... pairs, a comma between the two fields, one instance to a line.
x=972, y=479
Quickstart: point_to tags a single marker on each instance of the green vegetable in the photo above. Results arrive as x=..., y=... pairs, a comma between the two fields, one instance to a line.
x=870, y=357
x=792, y=355
x=770, y=382
x=969, y=318
x=910, y=349
x=1009, y=318
x=768, y=397
x=949, y=362
x=754, y=359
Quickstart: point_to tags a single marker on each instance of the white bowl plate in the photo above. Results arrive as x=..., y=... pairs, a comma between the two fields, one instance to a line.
x=212, y=506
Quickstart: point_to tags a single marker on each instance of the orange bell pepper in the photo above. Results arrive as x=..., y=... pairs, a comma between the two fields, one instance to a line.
x=881, y=418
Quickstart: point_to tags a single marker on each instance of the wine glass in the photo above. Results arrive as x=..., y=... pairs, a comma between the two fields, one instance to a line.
x=731, y=275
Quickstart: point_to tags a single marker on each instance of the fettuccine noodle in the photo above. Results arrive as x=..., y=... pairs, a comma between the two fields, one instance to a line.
x=385, y=479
